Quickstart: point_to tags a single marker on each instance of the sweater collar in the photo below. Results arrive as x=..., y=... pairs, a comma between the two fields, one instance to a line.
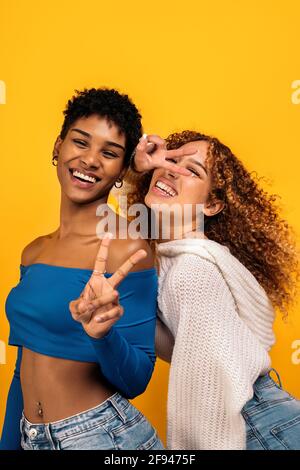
x=188, y=245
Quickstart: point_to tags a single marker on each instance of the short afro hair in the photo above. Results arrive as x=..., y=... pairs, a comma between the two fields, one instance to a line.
x=110, y=104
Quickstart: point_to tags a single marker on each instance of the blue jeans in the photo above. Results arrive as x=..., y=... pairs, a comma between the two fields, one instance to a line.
x=272, y=417
x=114, y=424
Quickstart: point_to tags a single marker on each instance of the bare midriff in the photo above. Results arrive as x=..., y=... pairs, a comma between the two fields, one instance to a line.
x=54, y=389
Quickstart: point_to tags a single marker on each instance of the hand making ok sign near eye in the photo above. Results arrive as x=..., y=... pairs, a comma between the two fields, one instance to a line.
x=98, y=308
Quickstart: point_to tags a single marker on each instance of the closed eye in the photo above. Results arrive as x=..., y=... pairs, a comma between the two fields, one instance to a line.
x=191, y=169
x=194, y=171
x=80, y=143
x=109, y=154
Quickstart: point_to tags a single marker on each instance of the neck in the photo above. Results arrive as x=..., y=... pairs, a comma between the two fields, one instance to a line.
x=171, y=232
x=78, y=219
x=191, y=234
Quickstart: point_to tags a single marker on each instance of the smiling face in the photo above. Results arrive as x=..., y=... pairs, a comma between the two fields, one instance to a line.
x=90, y=158
x=170, y=188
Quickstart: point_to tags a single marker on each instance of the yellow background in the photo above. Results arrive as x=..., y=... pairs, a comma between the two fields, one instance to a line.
x=223, y=67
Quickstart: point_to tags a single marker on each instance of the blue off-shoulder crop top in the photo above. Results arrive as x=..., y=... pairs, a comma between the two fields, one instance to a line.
x=40, y=320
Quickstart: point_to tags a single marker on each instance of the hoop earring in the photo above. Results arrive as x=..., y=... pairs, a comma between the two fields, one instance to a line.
x=53, y=159
x=120, y=183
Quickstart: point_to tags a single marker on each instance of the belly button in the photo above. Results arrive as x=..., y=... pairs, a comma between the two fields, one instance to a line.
x=40, y=409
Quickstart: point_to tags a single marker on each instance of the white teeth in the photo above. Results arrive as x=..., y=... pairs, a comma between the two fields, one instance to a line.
x=166, y=188
x=84, y=177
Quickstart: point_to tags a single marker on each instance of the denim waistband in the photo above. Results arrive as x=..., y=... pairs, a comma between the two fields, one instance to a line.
x=266, y=381
x=100, y=414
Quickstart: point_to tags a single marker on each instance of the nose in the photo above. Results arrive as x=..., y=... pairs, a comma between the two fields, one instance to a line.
x=90, y=159
x=171, y=174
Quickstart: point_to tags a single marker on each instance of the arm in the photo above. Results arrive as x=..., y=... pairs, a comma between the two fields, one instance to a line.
x=11, y=437
x=164, y=341
x=126, y=357
x=126, y=353
x=216, y=360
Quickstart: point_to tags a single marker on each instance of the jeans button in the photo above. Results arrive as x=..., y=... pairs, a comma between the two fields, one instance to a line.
x=32, y=433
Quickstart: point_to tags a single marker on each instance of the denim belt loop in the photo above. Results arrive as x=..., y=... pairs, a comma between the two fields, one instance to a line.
x=118, y=408
x=49, y=436
x=277, y=375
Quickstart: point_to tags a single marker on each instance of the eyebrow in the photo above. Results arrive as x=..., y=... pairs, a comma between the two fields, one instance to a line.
x=198, y=163
x=108, y=142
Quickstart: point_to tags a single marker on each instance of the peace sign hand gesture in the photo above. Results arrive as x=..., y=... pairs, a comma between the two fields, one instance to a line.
x=98, y=308
x=151, y=152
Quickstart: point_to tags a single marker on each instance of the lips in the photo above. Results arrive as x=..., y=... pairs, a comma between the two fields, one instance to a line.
x=86, y=173
x=164, y=188
x=83, y=179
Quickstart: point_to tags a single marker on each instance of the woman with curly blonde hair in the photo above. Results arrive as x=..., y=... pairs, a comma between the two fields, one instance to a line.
x=218, y=291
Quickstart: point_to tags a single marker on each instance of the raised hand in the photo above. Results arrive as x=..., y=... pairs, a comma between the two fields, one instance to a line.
x=98, y=308
x=151, y=152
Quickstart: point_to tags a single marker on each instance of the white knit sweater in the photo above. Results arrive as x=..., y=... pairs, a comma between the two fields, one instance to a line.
x=221, y=319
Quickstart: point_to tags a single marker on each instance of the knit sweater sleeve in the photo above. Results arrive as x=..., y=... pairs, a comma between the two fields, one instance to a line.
x=216, y=359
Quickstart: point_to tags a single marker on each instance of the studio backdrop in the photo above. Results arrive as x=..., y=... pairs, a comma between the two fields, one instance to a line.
x=227, y=68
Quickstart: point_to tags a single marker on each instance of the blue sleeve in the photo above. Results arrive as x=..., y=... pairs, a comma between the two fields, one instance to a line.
x=127, y=353
x=11, y=436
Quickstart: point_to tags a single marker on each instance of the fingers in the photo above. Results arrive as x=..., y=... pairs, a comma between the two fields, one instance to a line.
x=142, y=145
x=104, y=300
x=123, y=270
x=181, y=152
x=85, y=294
x=79, y=310
x=145, y=147
x=160, y=144
x=114, y=314
x=148, y=143
x=82, y=310
x=89, y=293
x=101, y=258
x=174, y=168
x=156, y=140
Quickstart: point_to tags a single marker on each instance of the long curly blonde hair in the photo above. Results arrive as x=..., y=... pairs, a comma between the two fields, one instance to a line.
x=250, y=224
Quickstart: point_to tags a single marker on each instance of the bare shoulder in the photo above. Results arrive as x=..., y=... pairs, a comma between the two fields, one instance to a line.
x=122, y=247
x=120, y=250
x=31, y=251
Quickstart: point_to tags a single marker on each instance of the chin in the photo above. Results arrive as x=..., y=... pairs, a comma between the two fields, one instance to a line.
x=151, y=199
x=82, y=198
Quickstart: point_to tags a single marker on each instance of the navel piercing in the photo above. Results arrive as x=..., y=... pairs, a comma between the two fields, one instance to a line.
x=40, y=410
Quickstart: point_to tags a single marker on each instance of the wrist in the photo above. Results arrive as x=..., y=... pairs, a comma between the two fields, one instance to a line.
x=98, y=336
x=103, y=336
x=132, y=164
